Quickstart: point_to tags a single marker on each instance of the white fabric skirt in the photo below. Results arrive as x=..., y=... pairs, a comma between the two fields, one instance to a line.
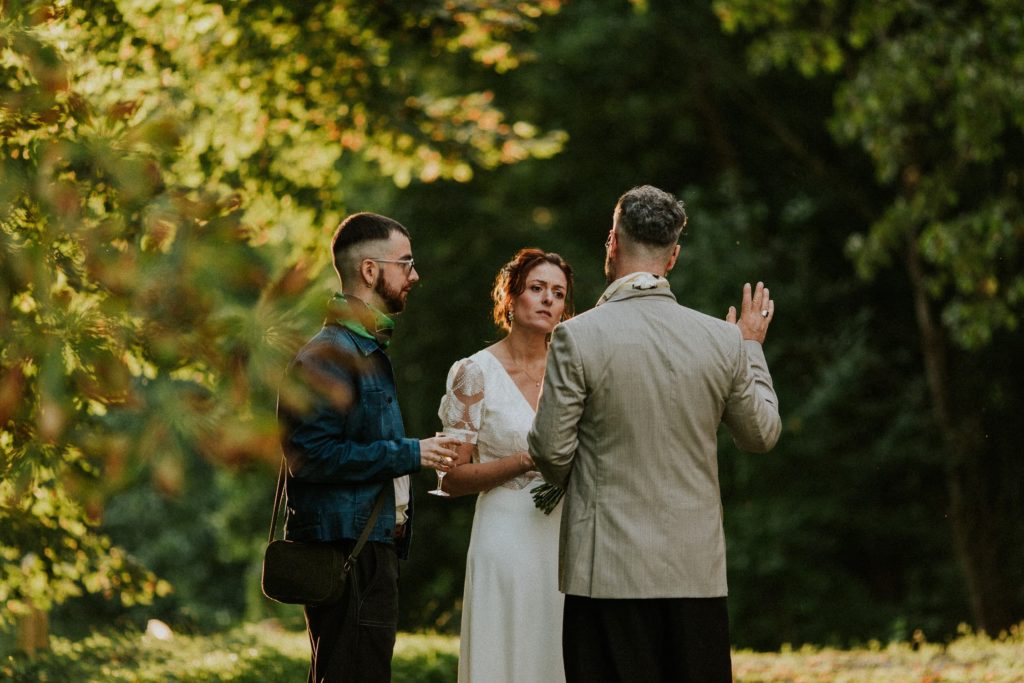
x=511, y=609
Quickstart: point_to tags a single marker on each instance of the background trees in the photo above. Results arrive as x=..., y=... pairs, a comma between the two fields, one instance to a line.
x=171, y=172
x=931, y=92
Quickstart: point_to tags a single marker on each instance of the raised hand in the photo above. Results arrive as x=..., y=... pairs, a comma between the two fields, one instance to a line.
x=756, y=312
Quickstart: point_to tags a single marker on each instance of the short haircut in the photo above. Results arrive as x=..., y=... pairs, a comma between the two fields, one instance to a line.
x=651, y=217
x=357, y=229
x=511, y=281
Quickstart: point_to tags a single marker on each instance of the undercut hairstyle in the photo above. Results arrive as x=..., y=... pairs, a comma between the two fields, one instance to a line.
x=358, y=229
x=651, y=217
x=511, y=281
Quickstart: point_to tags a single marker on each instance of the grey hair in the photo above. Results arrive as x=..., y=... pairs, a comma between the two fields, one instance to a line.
x=651, y=217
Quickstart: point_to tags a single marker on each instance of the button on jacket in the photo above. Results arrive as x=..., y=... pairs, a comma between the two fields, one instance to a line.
x=347, y=443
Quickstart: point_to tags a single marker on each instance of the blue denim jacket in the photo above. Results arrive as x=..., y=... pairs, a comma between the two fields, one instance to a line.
x=347, y=443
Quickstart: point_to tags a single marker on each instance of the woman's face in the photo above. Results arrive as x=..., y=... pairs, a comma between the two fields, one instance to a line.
x=541, y=303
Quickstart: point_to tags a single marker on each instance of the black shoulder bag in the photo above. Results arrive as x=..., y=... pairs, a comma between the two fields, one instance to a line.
x=308, y=573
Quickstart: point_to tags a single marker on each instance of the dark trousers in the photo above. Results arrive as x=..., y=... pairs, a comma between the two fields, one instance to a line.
x=353, y=639
x=677, y=640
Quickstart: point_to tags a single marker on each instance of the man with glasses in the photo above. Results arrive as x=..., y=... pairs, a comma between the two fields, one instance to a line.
x=345, y=444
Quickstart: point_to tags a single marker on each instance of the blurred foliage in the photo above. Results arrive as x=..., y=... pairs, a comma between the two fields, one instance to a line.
x=168, y=172
x=207, y=541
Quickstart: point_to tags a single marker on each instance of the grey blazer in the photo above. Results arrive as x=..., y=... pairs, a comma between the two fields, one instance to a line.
x=628, y=419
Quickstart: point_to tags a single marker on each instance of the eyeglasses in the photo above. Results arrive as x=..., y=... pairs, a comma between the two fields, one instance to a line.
x=407, y=263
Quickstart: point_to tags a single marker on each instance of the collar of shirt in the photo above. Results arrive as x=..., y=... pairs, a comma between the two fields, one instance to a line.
x=639, y=281
x=362, y=319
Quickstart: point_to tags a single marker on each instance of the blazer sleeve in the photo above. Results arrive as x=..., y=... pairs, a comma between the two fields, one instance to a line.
x=752, y=408
x=554, y=436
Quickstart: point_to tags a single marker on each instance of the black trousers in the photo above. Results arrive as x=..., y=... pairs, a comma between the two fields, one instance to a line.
x=673, y=640
x=352, y=640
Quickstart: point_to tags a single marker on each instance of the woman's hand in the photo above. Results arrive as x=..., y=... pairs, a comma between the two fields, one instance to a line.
x=476, y=477
x=526, y=462
x=463, y=454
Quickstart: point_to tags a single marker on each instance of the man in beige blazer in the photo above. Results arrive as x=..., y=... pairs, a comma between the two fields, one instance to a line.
x=634, y=393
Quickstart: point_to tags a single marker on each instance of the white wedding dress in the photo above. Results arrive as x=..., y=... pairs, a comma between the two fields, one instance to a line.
x=511, y=608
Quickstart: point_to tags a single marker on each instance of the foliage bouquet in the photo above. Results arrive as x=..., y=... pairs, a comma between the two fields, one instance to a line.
x=546, y=496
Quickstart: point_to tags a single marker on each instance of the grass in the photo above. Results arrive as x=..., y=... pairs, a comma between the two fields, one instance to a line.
x=253, y=653
x=266, y=653
x=970, y=658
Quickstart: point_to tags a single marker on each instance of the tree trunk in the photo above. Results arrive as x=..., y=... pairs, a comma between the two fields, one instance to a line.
x=974, y=514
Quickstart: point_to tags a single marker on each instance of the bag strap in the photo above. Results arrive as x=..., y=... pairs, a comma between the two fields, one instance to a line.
x=277, y=499
x=377, y=505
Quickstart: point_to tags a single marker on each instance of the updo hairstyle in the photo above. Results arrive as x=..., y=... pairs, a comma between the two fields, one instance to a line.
x=511, y=281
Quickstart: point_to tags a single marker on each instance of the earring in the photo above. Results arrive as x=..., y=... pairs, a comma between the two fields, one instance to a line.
x=511, y=316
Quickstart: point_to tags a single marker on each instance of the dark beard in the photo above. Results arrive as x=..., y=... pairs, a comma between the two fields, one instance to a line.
x=392, y=298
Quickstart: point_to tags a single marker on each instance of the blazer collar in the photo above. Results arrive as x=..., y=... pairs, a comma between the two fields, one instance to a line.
x=630, y=293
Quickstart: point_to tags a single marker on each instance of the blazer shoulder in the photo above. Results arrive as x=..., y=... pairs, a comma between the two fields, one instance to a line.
x=587, y=325
x=719, y=327
x=594, y=317
x=577, y=322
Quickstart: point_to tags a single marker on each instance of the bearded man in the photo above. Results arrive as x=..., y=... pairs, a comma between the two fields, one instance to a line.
x=345, y=444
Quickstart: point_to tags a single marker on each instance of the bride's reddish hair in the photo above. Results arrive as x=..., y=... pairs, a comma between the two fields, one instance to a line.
x=511, y=281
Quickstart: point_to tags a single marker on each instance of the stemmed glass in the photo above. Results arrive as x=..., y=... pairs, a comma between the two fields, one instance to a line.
x=440, y=476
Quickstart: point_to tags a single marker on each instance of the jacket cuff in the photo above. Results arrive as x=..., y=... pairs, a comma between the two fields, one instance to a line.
x=410, y=454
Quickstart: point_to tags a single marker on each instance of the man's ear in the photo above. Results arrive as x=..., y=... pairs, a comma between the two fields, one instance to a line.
x=672, y=260
x=368, y=272
x=613, y=243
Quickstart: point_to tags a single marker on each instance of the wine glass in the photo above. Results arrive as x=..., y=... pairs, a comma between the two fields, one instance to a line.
x=440, y=476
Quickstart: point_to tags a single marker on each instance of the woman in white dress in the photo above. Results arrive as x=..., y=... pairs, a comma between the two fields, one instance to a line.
x=511, y=608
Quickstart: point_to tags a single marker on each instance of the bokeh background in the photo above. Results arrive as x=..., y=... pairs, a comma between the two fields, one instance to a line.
x=171, y=173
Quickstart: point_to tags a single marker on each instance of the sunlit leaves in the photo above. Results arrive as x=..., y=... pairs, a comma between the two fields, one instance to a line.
x=112, y=280
x=168, y=173
x=69, y=556
x=277, y=95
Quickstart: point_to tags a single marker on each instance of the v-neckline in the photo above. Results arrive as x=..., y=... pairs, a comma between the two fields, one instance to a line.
x=515, y=386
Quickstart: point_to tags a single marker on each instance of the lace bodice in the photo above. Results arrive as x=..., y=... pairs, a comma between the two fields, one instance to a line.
x=482, y=401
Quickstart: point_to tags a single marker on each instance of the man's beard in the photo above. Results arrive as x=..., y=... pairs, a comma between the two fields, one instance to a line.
x=394, y=299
